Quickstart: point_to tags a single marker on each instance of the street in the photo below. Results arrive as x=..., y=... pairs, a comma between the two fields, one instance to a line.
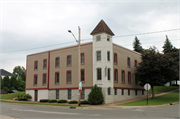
x=45, y=112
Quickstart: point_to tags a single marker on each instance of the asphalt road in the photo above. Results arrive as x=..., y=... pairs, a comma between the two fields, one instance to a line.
x=44, y=112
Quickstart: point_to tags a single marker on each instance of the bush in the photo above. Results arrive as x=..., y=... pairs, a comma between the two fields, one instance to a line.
x=44, y=100
x=95, y=97
x=24, y=97
x=175, y=85
x=73, y=102
x=62, y=101
x=5, y=88
x=52, y=101
x=12, y=88
x=84, y=102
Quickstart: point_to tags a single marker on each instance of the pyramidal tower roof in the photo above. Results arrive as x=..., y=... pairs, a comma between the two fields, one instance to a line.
x=102, y=27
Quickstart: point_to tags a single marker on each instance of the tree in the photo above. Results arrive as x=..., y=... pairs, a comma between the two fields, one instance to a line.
x=95, y=97
x=6, y=82
x=13, y=82
x=2, y=82
x=20, y=71
x=137, y=45
x=20, y=84
x=167, y=48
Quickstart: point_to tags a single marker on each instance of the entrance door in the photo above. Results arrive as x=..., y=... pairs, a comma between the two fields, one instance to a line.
x=36, y=95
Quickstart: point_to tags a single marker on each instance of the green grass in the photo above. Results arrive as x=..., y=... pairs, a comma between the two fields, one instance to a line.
x=10, y=95
x=46, y=104
x=162, y=89
x=159, y=100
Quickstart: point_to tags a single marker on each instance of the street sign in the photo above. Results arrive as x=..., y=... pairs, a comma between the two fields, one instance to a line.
x=80, y=85
x=147, y=86
x=80, y=90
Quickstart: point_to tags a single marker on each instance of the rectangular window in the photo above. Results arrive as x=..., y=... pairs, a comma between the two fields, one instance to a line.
x=69, y=60
x=115, y=58
x=82, y=58
x=122, y=91
x=44, y=79
x=56, y=77
x=108, y=56
x=128, y=91
x=35, y=79
x=98, y=38
x=57, y=94
x=98, y=74
x=128, y=62
x=100, y=89
x=82, y=75
x=36, y=65
x=83, y=94
x=135, y=92
x=109, y=74
x=123, y=76
x=129, y=77
x=109, y=91
x=57, y=62
x=115, y=75
x=98, y=55
x=45, y=63
x=135, y=63
x=108, y=38
x=68, y=76
x=69, y=94
x=115, y=91
x=142, y=92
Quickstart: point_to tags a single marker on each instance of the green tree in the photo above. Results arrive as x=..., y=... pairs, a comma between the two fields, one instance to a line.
x=20, y=84
x=2, y=82
x=167, y=48
x=95, y=97
x=6, y=82
x=20, y=71
x=13, y=82
x=137, y=45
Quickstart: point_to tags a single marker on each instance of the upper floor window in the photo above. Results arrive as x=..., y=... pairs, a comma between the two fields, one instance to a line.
x=57, y=78
x=44, y=78
x=36, y=65
x=135, y=63
x=98, y=74
x=69, y=60
x=129, y=77
x=45, y=63
x=108, y=55
x=123, y=76
x=115, y=58
x=108, y=38
x=82, y=75
x=109, y=74
x=98, y=38
x=128, y=62
x=98, y=55
x=115, y=75
x=35, y=79
x=82, y=58
x=57, y=62
x=68, y=76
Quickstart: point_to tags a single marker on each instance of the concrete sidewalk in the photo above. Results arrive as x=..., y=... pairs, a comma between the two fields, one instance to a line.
x=7, y=117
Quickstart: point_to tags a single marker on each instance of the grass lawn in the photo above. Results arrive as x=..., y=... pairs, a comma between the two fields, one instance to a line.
x=162, y=89
x=48, y=104
x=159, y=100
x=10, y=95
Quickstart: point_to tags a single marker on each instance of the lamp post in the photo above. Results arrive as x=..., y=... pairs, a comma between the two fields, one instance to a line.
x=79, y=69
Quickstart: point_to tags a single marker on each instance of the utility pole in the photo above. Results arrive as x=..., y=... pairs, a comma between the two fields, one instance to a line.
x=79, y=102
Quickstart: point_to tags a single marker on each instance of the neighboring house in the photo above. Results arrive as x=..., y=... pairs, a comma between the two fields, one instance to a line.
x=4, y=73
x=54, y=74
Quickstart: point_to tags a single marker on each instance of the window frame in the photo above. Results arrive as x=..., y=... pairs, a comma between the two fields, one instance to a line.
x=69, y=95
x=44, y=63
x=129, y=80
x=122, y=78
x=36, y=80
x=115, y=75
x=115, y=91
x=57, y=96
x=70, y=59
x=56, y=77
x=83, y=58
x=109, y=91
x=109, y=74
x=115, y=54
x=84, y=75
x=35, y=65
x=97, y=73
x=136, y=92
x=68, y=77
x=99, y=36
x=122, y=91
x=56, y=62
x=108, y=38
x=142, y=92
x=108, y=55
x=43, y=79
x=83, y=94
x=129, y=91
x=98, y=56
x=128, y=62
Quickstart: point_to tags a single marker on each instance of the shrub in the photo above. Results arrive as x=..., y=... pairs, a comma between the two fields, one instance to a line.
x=16, y=99
x=12, y=88
x=52, y=101
x=73, y=102
x=24, y=97
x=175, y=85
x=62, y=101
x=84, y=102
x=44, y=100
x=5, y=88
x=95, y=97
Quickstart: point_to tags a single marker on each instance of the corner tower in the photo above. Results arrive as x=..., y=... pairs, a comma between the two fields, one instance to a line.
x=103, y=60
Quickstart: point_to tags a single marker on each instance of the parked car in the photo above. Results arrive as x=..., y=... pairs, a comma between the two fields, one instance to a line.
x=12, y=91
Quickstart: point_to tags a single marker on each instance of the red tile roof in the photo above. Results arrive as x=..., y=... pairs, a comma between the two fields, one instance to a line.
x=102, y=27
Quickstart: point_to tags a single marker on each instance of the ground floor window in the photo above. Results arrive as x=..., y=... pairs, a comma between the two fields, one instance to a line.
x=128, y=91
x=122, y=91
x=115, y=91
x=135, y=92
x=83, y=94
x=69, y=94
x=57, y=94
x=109, y=91
x=142, y=92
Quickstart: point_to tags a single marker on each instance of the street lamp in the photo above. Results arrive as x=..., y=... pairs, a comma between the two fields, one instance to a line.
x=80, y=84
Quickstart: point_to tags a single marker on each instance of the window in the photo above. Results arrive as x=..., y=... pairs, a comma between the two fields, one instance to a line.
x=69, y=60
x=98, y=74
x=142, y=92
x=57, y=78
x=57, y=94
x=35, y=79
x=69, y=94
x=109, y=75
x=108, y=56
x=45, y=63
x=82, y=58
x=136, y=80
x=115, y=58
x=57, y=62
x=115, y=75
x=98, y=55
x=129, y=77
x=115, y=91
x=82, y=75
x=128, y=91
x=98, y=38
x=108, y=38
x=83, y=94
x=36, y=65
x=123, y=76
x=100, y=89
x=68, y=76
x=135, y=92
x=135, y=63
x=122, y=91
x=44, y=78
x=109, y=91
x=128, y=62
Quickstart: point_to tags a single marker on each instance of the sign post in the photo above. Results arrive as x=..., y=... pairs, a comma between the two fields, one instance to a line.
x=147, y=87
x=80, y=86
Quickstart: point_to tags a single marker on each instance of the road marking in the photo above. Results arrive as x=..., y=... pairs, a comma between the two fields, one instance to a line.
x=138, y=110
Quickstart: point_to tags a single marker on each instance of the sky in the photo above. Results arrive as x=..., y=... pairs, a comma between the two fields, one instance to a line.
x=32, y=26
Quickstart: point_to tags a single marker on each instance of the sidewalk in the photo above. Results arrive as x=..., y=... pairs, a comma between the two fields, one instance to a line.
x=7, y=117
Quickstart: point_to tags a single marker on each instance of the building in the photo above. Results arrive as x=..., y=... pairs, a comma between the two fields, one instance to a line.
x=54, y=74
x=4, y=73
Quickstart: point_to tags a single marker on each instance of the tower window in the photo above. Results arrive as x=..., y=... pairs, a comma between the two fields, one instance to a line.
x=98, y=38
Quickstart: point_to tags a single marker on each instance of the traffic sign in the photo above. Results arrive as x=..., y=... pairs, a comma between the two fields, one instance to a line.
x=80, y=85
x=147, y=86
x=80, y=90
